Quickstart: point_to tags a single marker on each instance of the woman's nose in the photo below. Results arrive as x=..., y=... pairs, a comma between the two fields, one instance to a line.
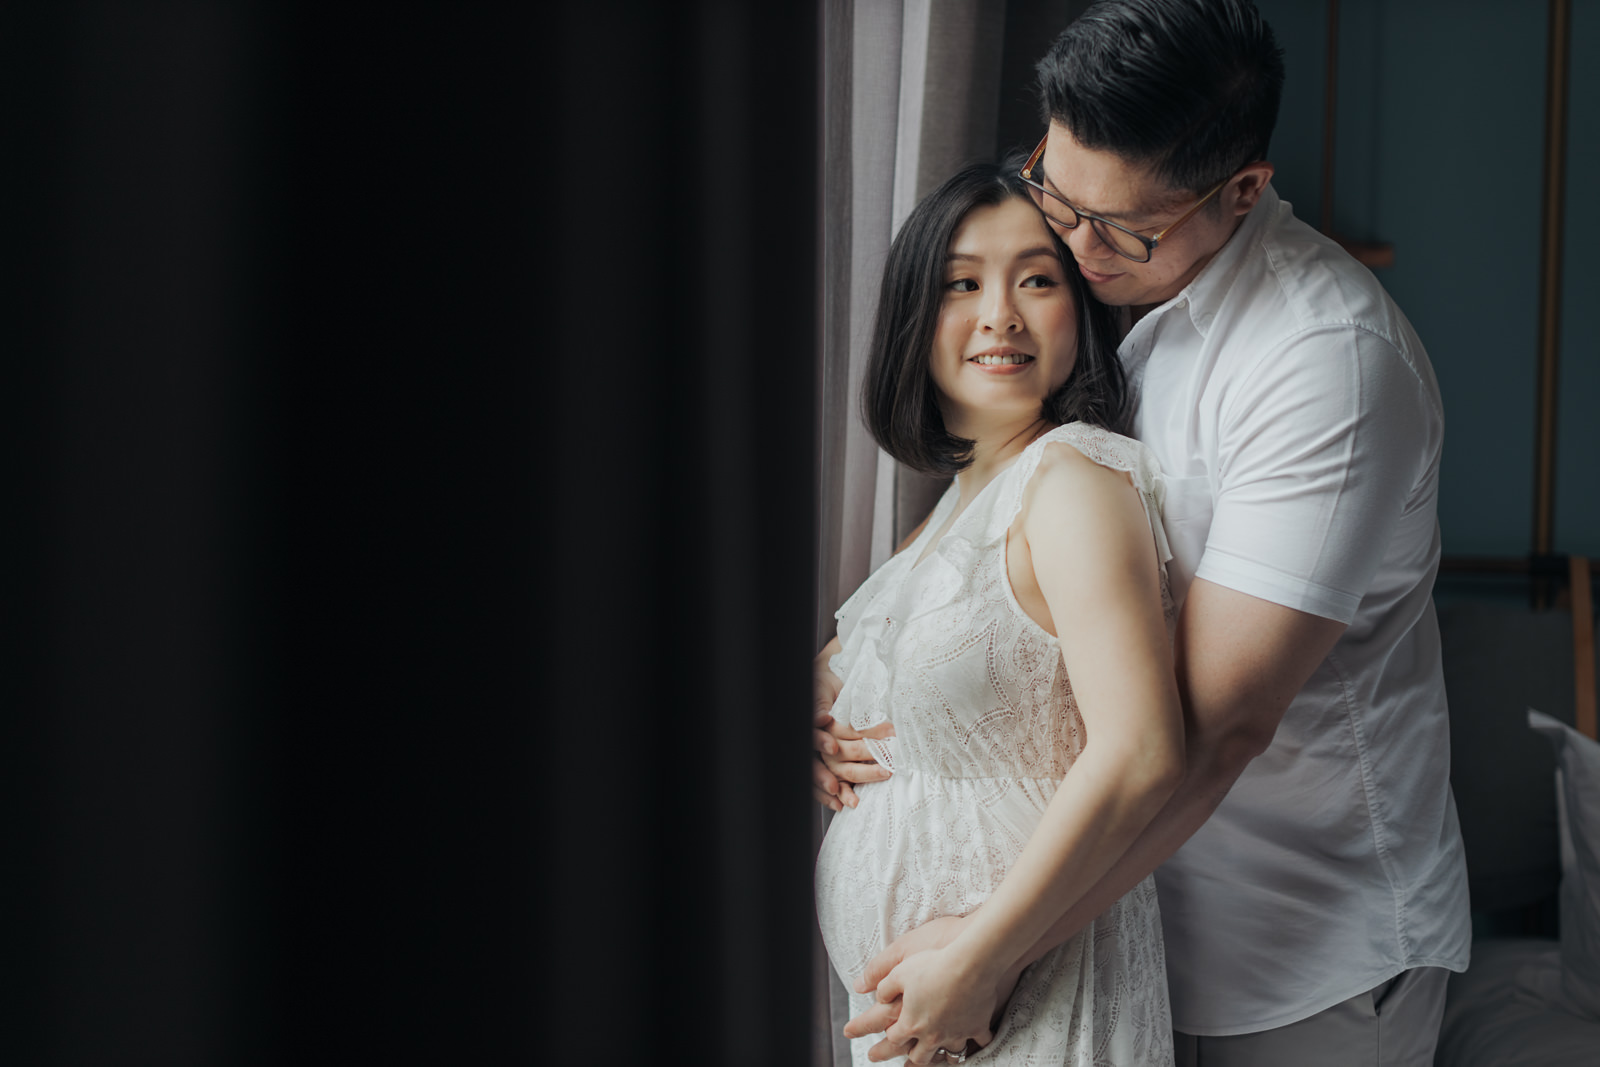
x=999, y=311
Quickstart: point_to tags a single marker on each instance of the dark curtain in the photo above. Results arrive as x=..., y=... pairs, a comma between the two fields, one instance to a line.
x=408, y=429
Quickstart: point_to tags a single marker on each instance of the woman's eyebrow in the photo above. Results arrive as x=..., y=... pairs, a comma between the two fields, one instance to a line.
x=1030, y=253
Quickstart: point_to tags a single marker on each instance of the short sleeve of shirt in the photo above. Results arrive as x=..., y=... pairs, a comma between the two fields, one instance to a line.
x=1319, y=451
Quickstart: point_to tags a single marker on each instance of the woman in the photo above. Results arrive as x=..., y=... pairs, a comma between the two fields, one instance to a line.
x=1011, y=789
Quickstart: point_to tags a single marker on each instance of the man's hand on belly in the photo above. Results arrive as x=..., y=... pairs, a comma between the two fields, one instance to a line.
x=842, y=758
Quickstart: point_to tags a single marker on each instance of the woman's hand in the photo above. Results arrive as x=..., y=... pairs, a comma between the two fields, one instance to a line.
x=935, y=933
x=946, y=999
x=982, y=1004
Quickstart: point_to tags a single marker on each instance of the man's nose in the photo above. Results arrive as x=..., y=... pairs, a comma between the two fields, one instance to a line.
x=1084, y=243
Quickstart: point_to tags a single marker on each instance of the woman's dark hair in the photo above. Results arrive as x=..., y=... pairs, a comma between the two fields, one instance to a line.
x=1189, y=88
x=898, y=398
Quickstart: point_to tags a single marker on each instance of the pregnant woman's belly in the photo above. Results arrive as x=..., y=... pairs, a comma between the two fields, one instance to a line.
x=918, y=846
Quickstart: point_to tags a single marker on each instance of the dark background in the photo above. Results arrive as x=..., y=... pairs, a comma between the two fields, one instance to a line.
x=408, y=438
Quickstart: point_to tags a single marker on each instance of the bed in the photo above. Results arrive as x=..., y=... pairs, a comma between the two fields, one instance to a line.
x=1532, y=835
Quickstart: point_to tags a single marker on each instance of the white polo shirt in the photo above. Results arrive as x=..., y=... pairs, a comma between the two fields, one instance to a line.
x=1297, y=420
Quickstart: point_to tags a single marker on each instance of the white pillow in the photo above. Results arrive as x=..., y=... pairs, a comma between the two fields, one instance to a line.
x=1578, y=812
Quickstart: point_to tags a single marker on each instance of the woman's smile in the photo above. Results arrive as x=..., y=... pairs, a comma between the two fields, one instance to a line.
x=1002, y=361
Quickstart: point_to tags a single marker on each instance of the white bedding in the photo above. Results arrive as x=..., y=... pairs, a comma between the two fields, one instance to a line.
x=1506, y=1010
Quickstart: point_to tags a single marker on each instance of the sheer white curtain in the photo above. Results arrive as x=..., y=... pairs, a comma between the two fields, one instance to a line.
x=911, y=94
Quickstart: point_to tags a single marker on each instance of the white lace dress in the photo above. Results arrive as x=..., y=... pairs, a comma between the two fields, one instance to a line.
x=985, y=729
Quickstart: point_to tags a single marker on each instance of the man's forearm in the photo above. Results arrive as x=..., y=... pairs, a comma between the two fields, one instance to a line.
x=1209, y=778
x=1240, y=662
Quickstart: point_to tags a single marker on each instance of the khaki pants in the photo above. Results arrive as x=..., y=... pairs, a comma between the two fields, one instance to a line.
x=1394, y=1025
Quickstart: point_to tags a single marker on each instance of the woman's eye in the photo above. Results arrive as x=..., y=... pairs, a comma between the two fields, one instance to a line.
x=964, y=285
x=1039, y=281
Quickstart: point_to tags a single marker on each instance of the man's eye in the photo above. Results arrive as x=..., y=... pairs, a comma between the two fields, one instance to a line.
x=964, y=285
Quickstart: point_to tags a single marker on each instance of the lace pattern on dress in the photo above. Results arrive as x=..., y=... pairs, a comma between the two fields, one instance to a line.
x=986, y=727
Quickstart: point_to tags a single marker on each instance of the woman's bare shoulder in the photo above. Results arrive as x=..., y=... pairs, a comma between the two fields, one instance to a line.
x=1066, y=473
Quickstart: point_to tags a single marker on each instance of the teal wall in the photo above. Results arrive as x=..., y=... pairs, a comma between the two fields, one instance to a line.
x=1578, y=505
x=1440, y=151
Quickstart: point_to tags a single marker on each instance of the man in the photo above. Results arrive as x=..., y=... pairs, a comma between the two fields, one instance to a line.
x=1314, y=918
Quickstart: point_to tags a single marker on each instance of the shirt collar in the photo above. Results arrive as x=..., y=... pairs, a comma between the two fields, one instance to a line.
x=1205, y=293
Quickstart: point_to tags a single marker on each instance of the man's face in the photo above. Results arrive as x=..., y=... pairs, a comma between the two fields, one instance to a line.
x=1104, y=184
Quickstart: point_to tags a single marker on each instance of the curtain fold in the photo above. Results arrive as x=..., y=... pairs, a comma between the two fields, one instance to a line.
x=910, y=94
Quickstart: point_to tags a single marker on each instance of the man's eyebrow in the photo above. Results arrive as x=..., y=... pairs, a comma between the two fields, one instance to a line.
x=1118, y=216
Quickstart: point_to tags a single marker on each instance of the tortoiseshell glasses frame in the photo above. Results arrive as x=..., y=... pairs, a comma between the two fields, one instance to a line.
x=1121, y=240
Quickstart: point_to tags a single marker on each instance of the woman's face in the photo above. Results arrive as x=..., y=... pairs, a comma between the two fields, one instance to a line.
x=1008, y=328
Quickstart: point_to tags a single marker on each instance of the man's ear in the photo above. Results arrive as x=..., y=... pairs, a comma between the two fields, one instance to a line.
x=1247, y=186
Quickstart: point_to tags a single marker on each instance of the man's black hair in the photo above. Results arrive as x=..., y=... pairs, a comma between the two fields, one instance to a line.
x=899, y=401
x=1189, y=88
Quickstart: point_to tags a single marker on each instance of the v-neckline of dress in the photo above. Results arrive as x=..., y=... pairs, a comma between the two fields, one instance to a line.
x=954, y=521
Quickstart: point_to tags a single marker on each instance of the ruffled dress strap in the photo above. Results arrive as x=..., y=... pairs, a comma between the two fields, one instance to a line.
x=1103, y=447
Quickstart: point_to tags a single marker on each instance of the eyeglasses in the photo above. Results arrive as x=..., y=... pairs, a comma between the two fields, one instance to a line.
x=1121, y=240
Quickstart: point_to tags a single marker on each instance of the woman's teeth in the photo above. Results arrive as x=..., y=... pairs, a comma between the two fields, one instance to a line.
x=1000, y=361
